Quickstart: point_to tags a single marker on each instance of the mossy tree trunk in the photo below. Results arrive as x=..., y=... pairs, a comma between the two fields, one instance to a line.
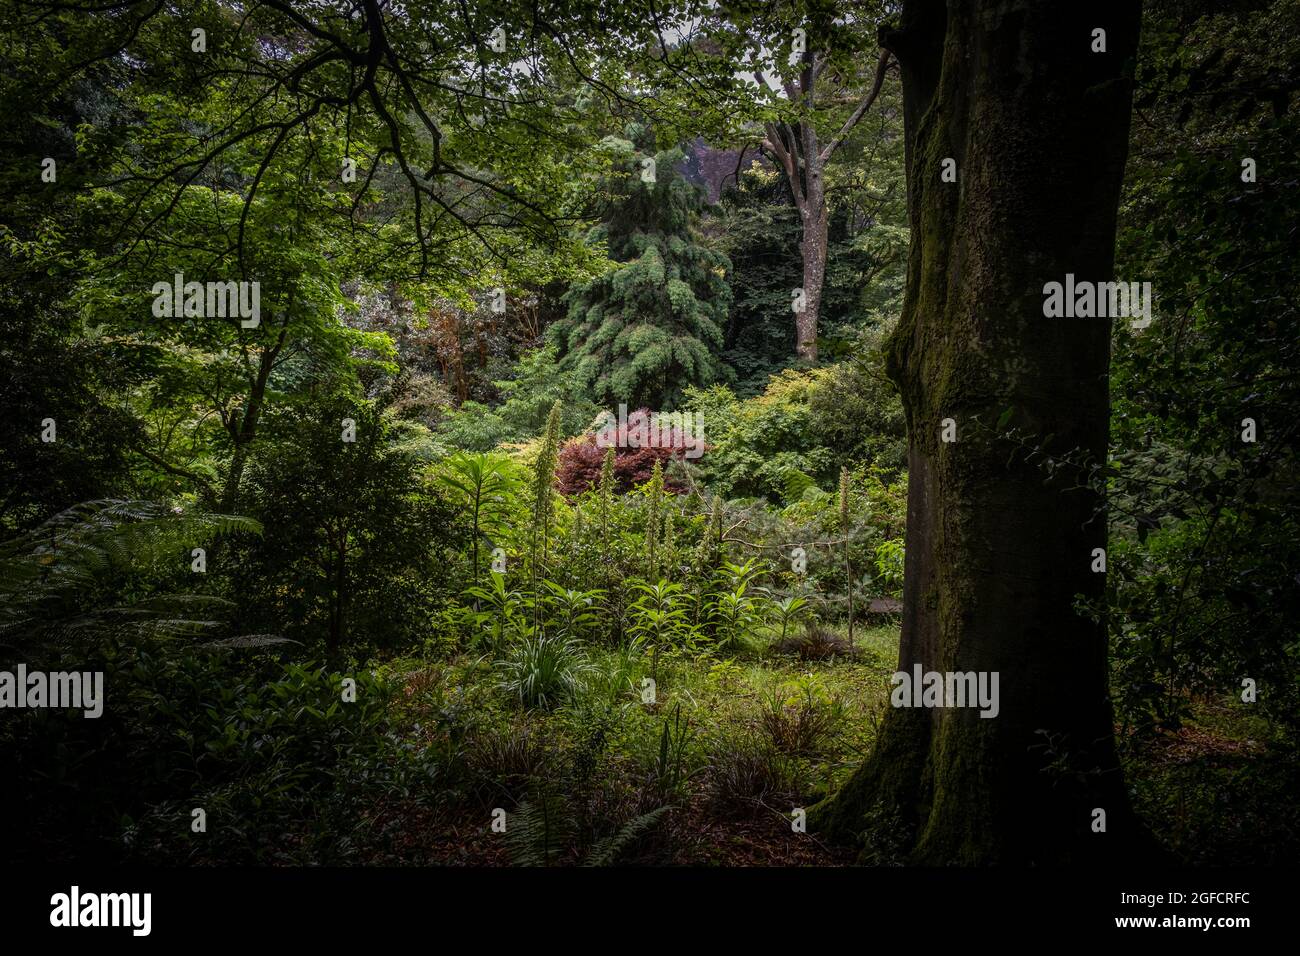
x=1038, y=126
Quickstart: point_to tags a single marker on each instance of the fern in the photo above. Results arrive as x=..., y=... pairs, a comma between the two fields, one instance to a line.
x=606, y=852
x=795, y=484
x=51, y=575
x=539, y=830
x=249, y=640
x=543, y=827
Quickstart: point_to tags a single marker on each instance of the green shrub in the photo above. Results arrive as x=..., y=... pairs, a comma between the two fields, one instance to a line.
x=542, y=671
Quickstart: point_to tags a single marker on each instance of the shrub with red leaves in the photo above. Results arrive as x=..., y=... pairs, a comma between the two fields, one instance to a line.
x=581, y=460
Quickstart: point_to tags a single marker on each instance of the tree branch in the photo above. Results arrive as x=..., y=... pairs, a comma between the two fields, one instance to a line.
x=881, y=65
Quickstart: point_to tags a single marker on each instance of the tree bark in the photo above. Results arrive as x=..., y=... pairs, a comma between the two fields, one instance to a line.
x=242, y=426
x=813, y=249
x=803, y=158
x=996, y=550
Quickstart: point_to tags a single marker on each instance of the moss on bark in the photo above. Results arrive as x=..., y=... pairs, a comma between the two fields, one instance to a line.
x=996, y=554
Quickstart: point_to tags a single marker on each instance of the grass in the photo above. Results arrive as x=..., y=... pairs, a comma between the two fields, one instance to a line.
x=754, y=735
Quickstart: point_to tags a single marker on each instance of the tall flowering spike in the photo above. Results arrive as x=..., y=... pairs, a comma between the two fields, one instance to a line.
x=654, y=518
x=606, y=489
x=669, y=541
x=844, y=499
x=544, y=480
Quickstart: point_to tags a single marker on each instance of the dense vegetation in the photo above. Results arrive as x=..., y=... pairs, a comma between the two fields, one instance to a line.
x=363, y=572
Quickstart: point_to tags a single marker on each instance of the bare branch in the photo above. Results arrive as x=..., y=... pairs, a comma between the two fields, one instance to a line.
x=881, y=65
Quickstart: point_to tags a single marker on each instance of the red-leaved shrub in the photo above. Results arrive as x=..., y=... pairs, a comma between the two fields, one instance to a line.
x=581, y=460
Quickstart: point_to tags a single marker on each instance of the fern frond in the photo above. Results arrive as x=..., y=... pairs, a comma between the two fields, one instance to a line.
x=607, y=851
x=50, y=576
x=794, y=483
x=539, y=830
x=248, y=640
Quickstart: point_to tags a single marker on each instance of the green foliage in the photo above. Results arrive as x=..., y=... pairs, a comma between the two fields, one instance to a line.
x=542, y=671
x=351, y=554
x=890, y=560
x=652, y=324
x=571, y=613
x=1204, y=535
x=500, y=611
x=803, y=422
x=537, y=383
x=788, y=610
x=487, y=485
x=76, y=382
x=735, y=611
x=654, y=519
x=276, y=744
x=670, y=773
x=659, y=615
x=608, y=851
x=746, y=772
x=528, y=683
x=758, y=229
x=802, y=718
x=58, y=581
x=543, y=489
x=540, y=830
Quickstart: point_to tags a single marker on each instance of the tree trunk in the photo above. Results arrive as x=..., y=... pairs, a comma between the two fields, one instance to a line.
x=338, y=596
x=996, y=553
x=813, y=251
x=803, y=158
x=244, y=429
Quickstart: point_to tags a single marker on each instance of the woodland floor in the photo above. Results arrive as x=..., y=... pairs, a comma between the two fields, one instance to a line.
x=1212, y=791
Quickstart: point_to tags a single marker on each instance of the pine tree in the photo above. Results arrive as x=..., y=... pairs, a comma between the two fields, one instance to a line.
x=653, y=324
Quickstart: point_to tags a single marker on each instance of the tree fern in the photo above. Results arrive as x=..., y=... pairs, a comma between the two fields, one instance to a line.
x=50, y=576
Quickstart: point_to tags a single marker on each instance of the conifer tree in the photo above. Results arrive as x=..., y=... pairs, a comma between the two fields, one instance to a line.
x=654, y=323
